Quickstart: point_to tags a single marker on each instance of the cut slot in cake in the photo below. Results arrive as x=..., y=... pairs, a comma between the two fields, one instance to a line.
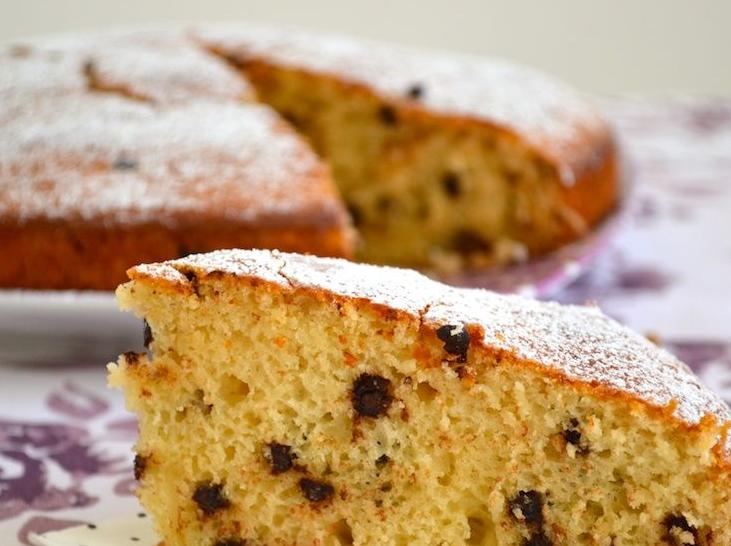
x=296, y=400
x=445, y=161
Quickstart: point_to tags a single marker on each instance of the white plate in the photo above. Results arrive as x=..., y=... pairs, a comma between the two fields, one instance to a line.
x=64, y=327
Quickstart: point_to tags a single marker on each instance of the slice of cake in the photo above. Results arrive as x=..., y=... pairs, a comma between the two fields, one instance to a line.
x=296, y=400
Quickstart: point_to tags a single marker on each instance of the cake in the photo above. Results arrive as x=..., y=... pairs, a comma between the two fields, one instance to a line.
x=295, y=400
x=123, y=147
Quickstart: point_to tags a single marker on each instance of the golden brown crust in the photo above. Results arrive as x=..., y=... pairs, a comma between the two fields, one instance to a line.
x=597, y=188
x=63, y=255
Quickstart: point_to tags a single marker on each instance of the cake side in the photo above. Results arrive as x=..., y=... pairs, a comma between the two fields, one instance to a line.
x=48, y=254
x=295, y=400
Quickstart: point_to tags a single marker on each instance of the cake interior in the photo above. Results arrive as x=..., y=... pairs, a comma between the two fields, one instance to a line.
x=273, y=417
x=423, y=191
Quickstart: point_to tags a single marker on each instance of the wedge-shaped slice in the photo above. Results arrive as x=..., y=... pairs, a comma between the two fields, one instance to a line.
x=293, y=400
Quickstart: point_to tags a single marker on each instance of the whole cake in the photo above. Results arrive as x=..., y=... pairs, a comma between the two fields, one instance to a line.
x=291, y=400
x=131, y=146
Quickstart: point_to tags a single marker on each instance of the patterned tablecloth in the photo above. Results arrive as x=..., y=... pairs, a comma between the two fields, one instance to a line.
x=65, y=441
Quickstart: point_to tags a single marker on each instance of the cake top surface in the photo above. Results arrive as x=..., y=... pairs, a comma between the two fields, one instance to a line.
x=139, y=126
x=580, y=343
x=557, y=121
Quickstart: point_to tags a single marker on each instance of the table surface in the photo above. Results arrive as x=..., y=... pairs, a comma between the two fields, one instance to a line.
x=65, y=440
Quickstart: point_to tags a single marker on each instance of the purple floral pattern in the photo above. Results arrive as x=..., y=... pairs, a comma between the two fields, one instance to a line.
x=65, y=440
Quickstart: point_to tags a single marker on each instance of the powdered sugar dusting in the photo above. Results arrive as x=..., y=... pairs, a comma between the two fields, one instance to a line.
x=166, y=70
x=579, y=342
x=556, y=120
x=156, y=64
x=583, y=344
x=181, y=148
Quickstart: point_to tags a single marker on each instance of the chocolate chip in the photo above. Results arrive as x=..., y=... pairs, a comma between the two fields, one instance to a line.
x=456, y=340
x=371, y=395
x=147, y=334
x=210, y=498
x=415, y=92
x=90, y=526
x=511, y=176
x=355, y=214
x=451, y=184
x=293, y=119
x=315, y=491
x=382, y=461
x=192, y=279
x=384, y=203
x=140, y=464
x=280, y=457
x=124, y=164
x=132, y=358
x=527, y=506
x=572, y=435
x=230, y=542
x=467, y=241
x=89, y=69
x=677, y=524
x=537, y=539
x=387, y=115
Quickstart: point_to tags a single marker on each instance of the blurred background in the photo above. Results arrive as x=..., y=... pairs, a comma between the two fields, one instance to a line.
x=623, y=46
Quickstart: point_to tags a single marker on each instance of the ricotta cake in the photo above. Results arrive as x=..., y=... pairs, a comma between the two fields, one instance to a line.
x=296, y=400
x=121, y=147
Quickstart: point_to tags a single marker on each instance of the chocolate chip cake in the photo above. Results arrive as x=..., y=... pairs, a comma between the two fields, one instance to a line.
x=130, y=146
x=290, y=400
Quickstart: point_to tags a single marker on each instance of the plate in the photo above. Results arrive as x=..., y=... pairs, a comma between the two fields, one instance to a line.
x=64, y=327
x=80, y=327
